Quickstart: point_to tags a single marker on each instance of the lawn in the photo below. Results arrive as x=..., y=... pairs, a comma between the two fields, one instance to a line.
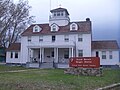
x=53, y=79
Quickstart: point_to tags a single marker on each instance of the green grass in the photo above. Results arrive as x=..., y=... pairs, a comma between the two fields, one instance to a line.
x=53, y=79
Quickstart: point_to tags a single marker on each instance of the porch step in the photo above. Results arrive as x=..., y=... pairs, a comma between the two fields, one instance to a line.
x=32, y=65
x=46, y=65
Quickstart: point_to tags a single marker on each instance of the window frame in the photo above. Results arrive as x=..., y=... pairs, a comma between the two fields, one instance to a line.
x=53, y=38
x=73, y=27
x=66, y=38
x=11, y=54
x=104, y=55
x=29, y=38
x=80, y=53
x=110, y=55
x=16, y=55
x=40, y=38
x=80, y=37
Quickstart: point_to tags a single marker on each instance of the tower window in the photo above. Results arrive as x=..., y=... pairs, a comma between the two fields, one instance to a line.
x=54, y=14
x=61, y=13
x=58, y=13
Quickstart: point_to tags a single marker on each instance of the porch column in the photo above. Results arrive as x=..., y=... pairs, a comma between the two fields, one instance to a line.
x=72, y=52
x=56, y=55
x=28, y=55
x=40, y=54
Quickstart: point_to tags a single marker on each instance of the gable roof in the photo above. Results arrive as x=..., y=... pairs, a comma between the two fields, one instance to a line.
x=107, y=44
x=59, y=9
x=14, y=47
x=84, y=27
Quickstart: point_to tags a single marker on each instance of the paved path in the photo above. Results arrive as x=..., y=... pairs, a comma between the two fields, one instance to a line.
x=17, y=70
x=110, y=87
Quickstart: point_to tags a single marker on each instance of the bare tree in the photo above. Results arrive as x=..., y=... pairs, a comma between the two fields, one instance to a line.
x=14, y=19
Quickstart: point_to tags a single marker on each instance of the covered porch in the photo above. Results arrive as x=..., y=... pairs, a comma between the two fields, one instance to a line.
x=53, y=57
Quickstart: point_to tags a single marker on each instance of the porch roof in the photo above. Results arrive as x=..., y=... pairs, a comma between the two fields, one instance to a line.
x=14, y=47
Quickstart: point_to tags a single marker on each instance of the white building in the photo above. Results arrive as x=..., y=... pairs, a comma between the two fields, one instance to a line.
x=51, y=45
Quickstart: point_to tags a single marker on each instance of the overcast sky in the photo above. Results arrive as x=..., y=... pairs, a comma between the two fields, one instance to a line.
x=104, y=14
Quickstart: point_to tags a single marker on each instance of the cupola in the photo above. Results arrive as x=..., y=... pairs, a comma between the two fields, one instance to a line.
x=60, y=16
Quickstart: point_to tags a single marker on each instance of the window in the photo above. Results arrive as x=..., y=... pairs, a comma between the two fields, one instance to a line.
x=80, y=38
x=66, y=54
x=16, y=54
x=80, y=53
x=103, y=54
x=11, y=55
x=58, y=13
x=29, y=38
x=54, y=28
x=53, y=38
x=73, y=27
x=36, y=28
x=40, y=38
x=61, y=13
x=54, y=14
x=110, y=55
x=66, y=38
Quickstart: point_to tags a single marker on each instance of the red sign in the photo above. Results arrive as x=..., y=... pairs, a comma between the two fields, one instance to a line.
x=85, y=62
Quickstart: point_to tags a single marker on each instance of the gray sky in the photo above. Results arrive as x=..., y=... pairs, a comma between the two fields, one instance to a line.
x=104, y=14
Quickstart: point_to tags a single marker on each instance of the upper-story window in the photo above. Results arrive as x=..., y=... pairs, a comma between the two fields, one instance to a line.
x=53, y=38
x=66, y=38
x=40, y=38
x=73, y=26
x=36, y=28
x=29, y=38
x=80, y=38
x=54, y=27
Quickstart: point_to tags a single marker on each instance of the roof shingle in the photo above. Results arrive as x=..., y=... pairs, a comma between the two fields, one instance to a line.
x=14, y=47
x=84, y=26
x=107, y=44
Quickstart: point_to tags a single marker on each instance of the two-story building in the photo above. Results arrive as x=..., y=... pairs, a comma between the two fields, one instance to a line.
x=52, y=44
